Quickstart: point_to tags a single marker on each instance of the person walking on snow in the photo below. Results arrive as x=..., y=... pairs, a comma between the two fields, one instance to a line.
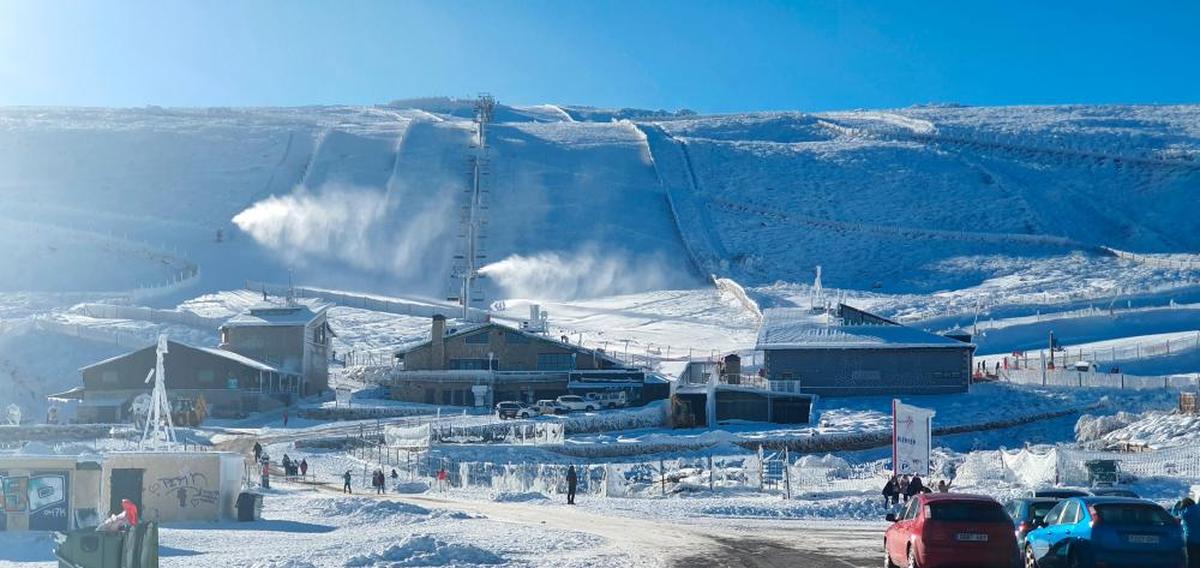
x=572, y=482
x=915, y=487
x=346, y=483
x=891, y=493
x=257, y=452
x=303, y=467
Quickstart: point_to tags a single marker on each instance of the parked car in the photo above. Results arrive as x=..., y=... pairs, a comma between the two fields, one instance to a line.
x=1115, y=492
x=574, y=402
x=548, y=406
x=1059, y=492
x=1112, y=532
x=513, y=409
x=938, y=530
x=611, y=399
x=1027, y=513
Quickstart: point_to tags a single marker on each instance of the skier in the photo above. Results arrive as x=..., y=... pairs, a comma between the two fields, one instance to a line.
x=346, y=482
x=257, y=452
x=572, y=481
x=303, y=467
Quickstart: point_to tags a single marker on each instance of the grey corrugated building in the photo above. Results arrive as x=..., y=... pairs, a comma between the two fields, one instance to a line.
x=848, y=351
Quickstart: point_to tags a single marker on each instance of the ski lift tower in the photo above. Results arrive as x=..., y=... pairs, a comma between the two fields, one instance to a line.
x=473, y=220
x=159, y=432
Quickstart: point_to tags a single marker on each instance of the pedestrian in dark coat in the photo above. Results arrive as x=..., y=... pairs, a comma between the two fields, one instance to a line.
x=257, y=452
x=915, y=487
x=572, y=482
x=891, y=493
x=346, y=482
x=303, y=467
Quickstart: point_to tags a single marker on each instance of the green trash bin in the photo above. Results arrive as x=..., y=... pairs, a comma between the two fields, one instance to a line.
x=86, y=548
x=89, y=548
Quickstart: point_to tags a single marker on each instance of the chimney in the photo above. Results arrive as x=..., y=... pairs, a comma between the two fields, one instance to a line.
x=437, y=352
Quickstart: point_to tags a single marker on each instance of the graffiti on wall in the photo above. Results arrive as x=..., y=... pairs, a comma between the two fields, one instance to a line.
x=189, y=489
x=16, y=496
x=48, y=501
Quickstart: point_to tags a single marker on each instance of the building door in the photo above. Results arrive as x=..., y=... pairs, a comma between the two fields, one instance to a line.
x=126, y=484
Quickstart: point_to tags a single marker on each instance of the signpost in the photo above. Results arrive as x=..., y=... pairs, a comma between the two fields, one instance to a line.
x=912, y=433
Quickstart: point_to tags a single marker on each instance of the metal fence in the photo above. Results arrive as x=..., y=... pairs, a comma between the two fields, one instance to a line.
x=1094, y=379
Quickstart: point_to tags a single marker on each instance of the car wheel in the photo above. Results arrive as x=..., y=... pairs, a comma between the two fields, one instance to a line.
x=912, y=557
x=887, y=558
x=589, y=408
x=1030, y=559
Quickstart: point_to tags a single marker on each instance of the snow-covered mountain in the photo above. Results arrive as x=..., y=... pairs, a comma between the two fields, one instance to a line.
x=588, y=202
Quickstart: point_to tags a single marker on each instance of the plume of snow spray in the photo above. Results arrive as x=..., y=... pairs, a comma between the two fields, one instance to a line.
x=584, y=273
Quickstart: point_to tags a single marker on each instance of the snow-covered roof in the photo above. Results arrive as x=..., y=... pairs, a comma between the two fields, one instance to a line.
x=792, y=328
x=266, y=315
x=236, y=357
x=473, y=327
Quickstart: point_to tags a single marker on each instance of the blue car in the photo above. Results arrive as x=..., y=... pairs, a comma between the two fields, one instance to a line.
x=1109, y=532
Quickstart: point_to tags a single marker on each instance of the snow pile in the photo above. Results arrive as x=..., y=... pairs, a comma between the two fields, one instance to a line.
x=411, y=487
x=1156, y=430
x=1090, y=428
x=426, y=550
x=834, y=465
x=520, y=497
x=373, y=510
x=981, y=467
x=652, y=415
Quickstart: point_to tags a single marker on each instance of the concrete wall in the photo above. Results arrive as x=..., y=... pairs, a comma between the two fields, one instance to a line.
x=512, y=351
x=179, y=486
x=48, y=493
x=848, y=372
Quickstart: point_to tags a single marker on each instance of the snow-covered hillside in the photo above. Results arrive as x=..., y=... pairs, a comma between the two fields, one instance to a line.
x=588, y=202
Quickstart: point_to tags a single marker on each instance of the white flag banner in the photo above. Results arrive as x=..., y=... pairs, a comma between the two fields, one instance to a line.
x=912, y=433
x=414, y=437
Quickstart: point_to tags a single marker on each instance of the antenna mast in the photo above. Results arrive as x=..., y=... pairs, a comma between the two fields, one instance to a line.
x=473, y=221
x=159, y=431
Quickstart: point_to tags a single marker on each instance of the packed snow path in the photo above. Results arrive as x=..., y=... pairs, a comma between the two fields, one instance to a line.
x=684, y=543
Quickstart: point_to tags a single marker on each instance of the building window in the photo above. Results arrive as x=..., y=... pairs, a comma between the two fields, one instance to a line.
x=514, y=338
x=478, y=338
x=472, y=364
x=319, y=335
x=109, y=377
x=556, y=361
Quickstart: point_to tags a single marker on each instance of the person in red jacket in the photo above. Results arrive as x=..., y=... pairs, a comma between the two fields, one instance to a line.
x=131, y=512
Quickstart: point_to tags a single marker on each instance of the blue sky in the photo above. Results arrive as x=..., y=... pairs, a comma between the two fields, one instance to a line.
x=704, y=55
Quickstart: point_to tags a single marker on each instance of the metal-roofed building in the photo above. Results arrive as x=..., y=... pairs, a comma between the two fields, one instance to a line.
x=231, y=384
x=479, y=364
x=293, y=338
x=851, y=352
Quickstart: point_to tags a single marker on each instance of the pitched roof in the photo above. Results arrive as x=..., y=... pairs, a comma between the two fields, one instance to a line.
x=238, y=358
x=793, y=328
x=473, y=327
x=269, y=315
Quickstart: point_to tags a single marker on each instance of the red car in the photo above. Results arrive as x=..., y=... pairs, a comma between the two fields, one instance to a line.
x=950, y=529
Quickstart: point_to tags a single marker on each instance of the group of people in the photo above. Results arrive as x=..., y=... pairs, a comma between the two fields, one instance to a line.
x=378, y=480
x=292, y=468
x=904, y=487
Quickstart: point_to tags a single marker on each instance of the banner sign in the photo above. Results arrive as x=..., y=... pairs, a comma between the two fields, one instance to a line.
x=48, y=502
x=415, y=437
x=912, y=433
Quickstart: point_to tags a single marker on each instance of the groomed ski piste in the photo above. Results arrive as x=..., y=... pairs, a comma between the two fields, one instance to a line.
x=1012, y=223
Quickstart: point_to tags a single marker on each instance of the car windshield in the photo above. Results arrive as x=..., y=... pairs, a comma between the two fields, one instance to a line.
x=1038, y=510
x=963, y=511
x=1133, y=514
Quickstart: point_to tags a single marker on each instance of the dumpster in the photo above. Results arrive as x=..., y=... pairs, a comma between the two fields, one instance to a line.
x=136, y=547
x=249, y=506
x=1102, y=472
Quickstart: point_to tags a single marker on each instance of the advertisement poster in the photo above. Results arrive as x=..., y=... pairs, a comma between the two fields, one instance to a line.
x=16, y=499
x=912, y=433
